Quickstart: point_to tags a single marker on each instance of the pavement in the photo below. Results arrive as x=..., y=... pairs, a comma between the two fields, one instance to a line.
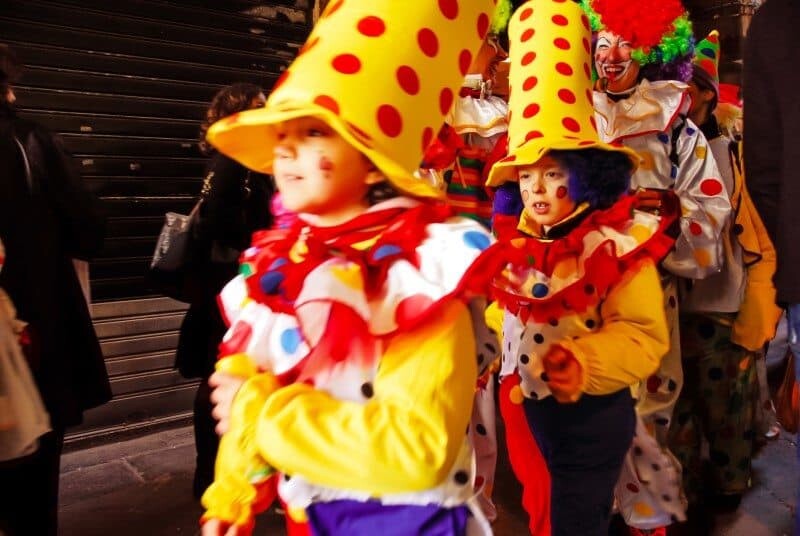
x=142, y=486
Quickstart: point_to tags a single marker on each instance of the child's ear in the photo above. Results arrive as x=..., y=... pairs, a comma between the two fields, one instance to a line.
x=374, y=176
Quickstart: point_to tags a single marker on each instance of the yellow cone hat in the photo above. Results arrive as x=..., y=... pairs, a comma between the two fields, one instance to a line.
x=382, y=73
x=551, y=106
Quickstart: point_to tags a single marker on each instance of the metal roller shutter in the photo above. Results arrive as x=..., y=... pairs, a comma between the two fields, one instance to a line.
x=126, y=84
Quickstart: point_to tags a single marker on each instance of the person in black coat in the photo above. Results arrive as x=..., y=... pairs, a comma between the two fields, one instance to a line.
x=47, y=218
x=235, y=202
x=772, y=136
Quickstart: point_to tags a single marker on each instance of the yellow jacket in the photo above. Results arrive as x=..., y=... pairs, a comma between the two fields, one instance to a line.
x=405, y=439
x=758, y=315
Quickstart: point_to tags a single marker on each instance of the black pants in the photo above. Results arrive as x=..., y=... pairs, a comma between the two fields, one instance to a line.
x=206, y=440
x=29, y=490
x=584, y=445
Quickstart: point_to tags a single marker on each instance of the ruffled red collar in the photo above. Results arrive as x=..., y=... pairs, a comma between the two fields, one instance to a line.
x=602, y=267
x=278, y=262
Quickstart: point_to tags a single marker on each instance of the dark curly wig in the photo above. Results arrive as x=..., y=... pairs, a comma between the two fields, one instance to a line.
x=228, y=101
x=596, y=176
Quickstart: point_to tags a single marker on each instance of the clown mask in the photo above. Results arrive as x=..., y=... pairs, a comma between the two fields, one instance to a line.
x=613, y=62
x=544, y=187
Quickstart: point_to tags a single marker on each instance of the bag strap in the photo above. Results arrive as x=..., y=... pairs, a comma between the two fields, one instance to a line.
x=28, y=175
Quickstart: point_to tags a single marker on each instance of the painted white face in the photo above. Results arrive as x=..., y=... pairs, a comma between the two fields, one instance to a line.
x=613, y=61
x=544, y=187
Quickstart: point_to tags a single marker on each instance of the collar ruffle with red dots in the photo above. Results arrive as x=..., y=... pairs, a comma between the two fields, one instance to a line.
x=603, y=246
x=387, y=271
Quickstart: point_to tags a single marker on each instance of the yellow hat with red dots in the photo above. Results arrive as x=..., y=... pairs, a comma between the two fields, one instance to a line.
x=551, y=99
x=381, y=73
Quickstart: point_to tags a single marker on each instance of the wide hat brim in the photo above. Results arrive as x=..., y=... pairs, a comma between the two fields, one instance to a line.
x=533, y=150
x=250, y=137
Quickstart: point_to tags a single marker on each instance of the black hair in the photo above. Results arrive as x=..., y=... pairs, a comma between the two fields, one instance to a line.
x=228, y=101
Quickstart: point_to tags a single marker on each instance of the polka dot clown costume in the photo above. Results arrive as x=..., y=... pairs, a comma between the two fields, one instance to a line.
x=360, y=341
x=642, y=58
x=725, y=321
x=580, y=326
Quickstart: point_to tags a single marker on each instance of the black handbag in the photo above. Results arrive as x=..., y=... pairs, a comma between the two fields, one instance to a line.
x=172, y=258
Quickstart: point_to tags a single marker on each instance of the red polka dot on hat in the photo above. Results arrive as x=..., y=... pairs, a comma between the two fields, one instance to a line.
x=371, y=26
x=531, y=110
x=281, y=79
x=464, y=61
x=408, y=79
x=529, y=83
x=533, y=134
x=527, y=34
x=564, y=68
x=308, y=46
x=586, y=46
x=571, y=125
x=561, y=43
x=567, y=96
x=333, y=8
x=483, y=25
x=427, y=137
x=526, y=13
x=445, y=100
x=389, y=120
x=346, y=63
x=428, y=42
x=449, y=8
x=327, y=102
x=711, y=187
x=587, y=70
x=560, y=20
x=527, y=58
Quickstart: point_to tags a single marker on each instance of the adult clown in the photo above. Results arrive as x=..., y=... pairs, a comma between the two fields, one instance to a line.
x=642, y=58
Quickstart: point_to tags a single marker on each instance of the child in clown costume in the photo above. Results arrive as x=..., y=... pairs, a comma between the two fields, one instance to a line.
x=642, y=58
x=347, y=375
x=583, y=320
x=725, y=321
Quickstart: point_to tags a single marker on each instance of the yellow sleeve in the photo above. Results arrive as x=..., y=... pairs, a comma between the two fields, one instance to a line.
x=633, y=336
x=494, y=318
x=239, y=470
x=758, y=316
x=404, y=439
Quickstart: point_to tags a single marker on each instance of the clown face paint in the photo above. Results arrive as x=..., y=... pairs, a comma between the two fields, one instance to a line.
x=545, y=191
x=613, y=61
x=319, y=173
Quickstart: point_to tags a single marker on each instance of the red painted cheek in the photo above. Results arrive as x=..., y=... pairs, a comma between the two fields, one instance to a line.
x=325, y=164
x=562, y=192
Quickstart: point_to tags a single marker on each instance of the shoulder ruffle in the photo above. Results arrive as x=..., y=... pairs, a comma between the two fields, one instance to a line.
x=547, y=279
x=283, y=310
x=483, y=116
x=653, y=107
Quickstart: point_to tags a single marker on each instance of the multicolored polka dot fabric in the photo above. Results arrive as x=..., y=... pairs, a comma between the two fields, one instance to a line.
x=551, y=86
x=382, y=73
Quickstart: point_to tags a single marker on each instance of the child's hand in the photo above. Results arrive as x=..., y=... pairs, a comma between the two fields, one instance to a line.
x=215, y=527
x=225, y=388
x=564, y=374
